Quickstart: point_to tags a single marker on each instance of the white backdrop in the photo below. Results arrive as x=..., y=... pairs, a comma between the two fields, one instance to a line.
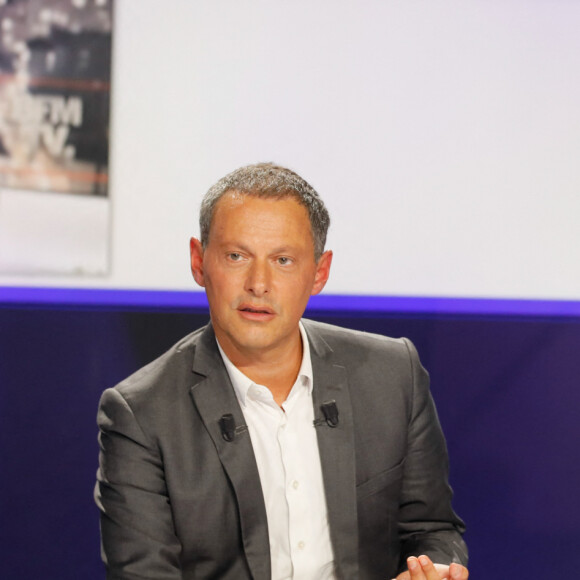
x=444, y=137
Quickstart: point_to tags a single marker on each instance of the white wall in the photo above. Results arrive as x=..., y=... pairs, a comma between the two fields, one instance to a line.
x=444, y=136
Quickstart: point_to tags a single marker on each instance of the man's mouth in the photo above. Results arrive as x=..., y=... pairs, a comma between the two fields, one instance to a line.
x=255, y=309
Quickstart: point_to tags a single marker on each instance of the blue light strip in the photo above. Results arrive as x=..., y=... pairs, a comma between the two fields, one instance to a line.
x=337, y=304
x=101, y=298
x=446, y=306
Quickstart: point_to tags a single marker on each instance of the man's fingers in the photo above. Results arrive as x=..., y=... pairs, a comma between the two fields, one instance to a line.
x=422, y=568
x=415, y=570
x=428, y=569
x=458, y=572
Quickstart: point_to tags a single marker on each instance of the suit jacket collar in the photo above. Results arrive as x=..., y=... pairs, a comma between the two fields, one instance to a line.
x=214, y=396
x=336, y=445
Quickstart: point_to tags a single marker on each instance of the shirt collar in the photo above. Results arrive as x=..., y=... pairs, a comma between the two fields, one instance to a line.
x=242, y=383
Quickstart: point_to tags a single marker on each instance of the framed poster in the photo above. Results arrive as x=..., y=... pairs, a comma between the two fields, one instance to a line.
x=55, y=71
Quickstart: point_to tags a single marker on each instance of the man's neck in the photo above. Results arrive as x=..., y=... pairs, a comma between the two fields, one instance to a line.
x=276, y=369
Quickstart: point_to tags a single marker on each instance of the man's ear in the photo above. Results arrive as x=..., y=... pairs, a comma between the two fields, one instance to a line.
x=196, y=255
x=322, y=272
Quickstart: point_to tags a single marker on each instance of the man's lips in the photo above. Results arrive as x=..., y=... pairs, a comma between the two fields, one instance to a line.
x=255, y=311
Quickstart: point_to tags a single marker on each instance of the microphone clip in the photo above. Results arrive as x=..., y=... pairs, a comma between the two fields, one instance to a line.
x=228, y=427
x=330, y=412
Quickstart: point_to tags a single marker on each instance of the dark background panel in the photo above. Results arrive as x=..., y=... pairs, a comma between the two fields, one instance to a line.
x=506, y=390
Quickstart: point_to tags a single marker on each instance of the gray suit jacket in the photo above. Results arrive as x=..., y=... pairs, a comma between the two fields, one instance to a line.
x=178, y=501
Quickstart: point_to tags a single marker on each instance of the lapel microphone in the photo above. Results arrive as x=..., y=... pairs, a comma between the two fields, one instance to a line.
x=228, y=427
x=330, y=412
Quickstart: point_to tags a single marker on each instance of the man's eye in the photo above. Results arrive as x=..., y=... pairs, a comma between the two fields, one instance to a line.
x=283, y=260
x=234, y=256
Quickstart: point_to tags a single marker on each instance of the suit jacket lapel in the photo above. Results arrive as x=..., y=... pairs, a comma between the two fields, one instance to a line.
x=214, y=396
x=336, y=445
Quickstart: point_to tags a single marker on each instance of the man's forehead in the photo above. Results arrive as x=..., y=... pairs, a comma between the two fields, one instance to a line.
x=280, y=220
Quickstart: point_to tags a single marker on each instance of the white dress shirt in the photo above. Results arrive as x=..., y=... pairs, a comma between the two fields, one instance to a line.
x=286, y=450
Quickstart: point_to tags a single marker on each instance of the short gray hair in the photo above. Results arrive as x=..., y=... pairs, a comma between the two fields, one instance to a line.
x=268, y=180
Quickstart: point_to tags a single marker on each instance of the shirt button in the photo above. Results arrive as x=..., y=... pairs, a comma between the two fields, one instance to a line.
x=301, y=545
x=295, y=484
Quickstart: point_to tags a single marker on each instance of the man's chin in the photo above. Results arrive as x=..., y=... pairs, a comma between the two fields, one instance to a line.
x=257, y=340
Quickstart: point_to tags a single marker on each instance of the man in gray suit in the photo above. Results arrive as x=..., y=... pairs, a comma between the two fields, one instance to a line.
x=265, y=446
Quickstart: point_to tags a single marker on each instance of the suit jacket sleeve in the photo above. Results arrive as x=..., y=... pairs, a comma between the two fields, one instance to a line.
x=427, y=522
x=137, y=530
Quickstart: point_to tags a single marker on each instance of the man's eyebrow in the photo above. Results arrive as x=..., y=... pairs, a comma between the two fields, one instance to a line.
x=231, y=245
x=284, y=249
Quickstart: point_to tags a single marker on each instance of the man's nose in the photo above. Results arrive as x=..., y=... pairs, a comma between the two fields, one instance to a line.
x=258, y=279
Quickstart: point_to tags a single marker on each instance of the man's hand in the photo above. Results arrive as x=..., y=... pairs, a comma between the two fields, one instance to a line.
x=422, y=568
